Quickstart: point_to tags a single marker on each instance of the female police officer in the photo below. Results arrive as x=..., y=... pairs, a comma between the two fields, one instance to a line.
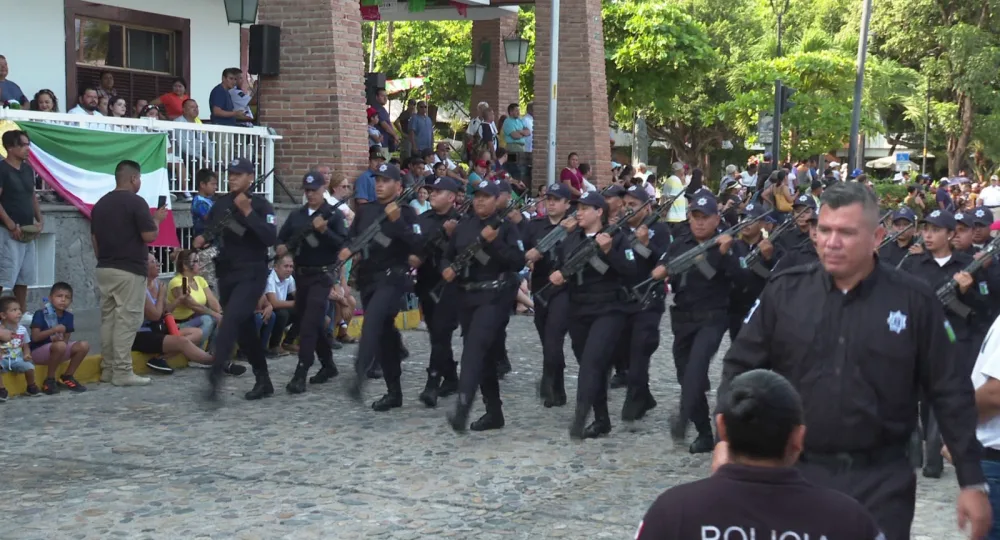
x=484, y=283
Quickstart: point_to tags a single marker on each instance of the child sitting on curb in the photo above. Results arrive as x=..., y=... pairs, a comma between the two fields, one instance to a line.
x=15, y=357
x=53, y=346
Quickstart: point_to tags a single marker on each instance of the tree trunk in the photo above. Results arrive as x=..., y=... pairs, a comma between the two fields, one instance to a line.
x=958, y=146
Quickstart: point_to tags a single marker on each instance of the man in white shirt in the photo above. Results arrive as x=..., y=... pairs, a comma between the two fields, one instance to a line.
x=476, y=124
x=986, y=381
x=529, y=142
x=191, y=143
x=280, y=286
x=990, y=197
x=86, y=102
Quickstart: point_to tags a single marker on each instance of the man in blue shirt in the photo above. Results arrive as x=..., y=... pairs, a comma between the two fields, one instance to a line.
x=220, y=101
x=421, y=130
x=364, y=186
x=943, y=197
x=389, y=136
x=9, y=91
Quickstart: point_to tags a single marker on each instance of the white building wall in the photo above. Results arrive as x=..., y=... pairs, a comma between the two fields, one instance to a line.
x=33, y=40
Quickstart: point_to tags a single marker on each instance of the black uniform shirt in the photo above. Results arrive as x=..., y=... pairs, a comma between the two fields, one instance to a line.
x=329, y=243
x=694, y=292
x=404, y=235
x=755, y=502
x=659, y=244
x=791, y=238
x=535, y=231
x=857, y=359
x=927, y=269
x=804, y=253
x=591, y=292
x=259, y=232
x=745, y=292
x=434, y=242
x=505, y=253
x=892, y=253
x=992, y=273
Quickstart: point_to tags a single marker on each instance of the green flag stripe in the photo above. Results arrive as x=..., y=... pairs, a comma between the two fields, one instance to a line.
x=98, y=151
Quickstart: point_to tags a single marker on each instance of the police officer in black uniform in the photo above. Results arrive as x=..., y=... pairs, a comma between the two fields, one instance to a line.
x=804, y=207
x=981, y=221
x=744, y=293
x=503, y=201
x=241, y=267
x=436, y=227
x=857, y=338
x=552, y=314
x=615, y=197
x=318, y=231
x=904, y=222
x=382, y=275
x=598, y=304
x=483, y=301
x=642, y=327
x=803, y=253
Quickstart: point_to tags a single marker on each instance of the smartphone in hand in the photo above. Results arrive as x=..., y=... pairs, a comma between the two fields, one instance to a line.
x=161, y=202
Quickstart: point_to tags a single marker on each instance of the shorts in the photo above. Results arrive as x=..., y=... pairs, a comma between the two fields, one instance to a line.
x=17, y=262
x=15, y=365
x=41, y=354
x=148, y=342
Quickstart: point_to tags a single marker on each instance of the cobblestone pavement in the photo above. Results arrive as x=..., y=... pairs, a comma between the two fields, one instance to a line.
x=153, y=463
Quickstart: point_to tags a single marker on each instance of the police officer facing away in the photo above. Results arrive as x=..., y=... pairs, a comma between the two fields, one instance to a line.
x=381, y=276
x=437, y=227
x=904, y=222
x=551, y=316
x=313, y=278
x=598, y=304
x=863, y=331
x=483, y=301
x=757, y=493
x=242, y=271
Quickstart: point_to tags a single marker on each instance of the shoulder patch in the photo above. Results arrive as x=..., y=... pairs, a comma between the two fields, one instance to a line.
x=753, y=309
x=629, y=255
x=520, y=245
x=270, y=219
x=416, y=228
x=949, y=331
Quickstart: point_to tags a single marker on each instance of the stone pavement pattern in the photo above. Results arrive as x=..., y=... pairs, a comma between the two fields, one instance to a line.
x=151, y=463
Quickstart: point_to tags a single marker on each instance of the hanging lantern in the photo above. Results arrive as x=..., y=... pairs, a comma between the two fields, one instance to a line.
x=516, y=50
x=242, y=11
x=474, y=74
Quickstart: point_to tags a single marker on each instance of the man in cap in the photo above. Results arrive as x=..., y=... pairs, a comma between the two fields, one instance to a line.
x=441, y=316
x=551, y=315
x=313, y=234
x=382, y=270
x=698, y=317
x=614, y=195
x=484, y=302
x=746, y=291
x=364, y=186
x=982, y=219
x=803, y=210
x=904, y=223
x=730, y=200
x=249, y=231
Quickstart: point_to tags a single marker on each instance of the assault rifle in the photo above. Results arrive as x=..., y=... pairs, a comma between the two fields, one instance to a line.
x=657, y=215
x=692, y=258
x=919, y=242
x=948, y=293
x=588, y=254
x=893, y=237
x=752, y=260
x=227, y=221
x=305, y=234
x=373, y=233
x=556, y=235
x=473, y=251
x=885, y=216
x=440, y=238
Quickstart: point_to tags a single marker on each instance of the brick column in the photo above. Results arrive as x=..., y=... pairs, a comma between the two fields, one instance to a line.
x=317, y=103
x=582, y=90
x=500, y=85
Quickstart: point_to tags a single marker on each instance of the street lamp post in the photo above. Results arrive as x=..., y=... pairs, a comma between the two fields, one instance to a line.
x=853, y=161
x=779, y=12
x=553, y=83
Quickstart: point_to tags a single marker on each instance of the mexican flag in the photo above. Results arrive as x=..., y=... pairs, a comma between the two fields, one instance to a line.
x=79, y=164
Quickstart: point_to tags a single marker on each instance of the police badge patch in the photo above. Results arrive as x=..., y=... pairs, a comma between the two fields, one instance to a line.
x=896, y=322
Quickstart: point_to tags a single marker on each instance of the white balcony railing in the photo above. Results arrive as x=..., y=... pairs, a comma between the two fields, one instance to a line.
x=190, y=147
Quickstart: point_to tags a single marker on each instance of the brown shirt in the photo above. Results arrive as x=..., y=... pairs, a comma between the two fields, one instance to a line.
x=118, y=221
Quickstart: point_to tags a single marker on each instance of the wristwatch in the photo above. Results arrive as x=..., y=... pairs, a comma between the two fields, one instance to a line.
x=982, y=488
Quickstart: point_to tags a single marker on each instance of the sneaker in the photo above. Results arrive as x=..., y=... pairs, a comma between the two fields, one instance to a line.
x=69, y=382
x=235, y=369
x=49, y=387
x=159, y=365
x=129, y=379
x=198, y=365
x=272, y=354
x=33, y=391
x=3, y=395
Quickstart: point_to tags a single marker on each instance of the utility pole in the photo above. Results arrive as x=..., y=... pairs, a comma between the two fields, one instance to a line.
x=779, y=12
x=853, y=160
x=927, y=126
x=553, y=82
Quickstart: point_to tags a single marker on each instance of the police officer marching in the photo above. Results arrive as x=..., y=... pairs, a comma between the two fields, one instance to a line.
x=319, y=232
x=482, y=261
x=598, y=303
x=751, y=241
x=866, y=337
x=614, y=195
x=803, y=210
x=904, y=227
x=242, y=272
x=382, y=271
x=803, y=253
x=552, y=311
x=437, y=227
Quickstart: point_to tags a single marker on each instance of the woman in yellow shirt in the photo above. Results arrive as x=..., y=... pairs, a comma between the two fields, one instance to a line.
x=201, y=309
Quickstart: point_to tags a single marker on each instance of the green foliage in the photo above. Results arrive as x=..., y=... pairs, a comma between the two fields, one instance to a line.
x=526, y=20
x=890, y=194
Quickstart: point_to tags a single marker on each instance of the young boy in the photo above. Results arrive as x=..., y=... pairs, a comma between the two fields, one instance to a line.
x=207, y=183
x=53, y=346
x=15, y=357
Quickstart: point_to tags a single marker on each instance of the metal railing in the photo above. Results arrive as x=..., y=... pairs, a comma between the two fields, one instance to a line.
x=190, y=147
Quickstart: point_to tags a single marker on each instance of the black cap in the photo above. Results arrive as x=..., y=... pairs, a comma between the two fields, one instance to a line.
x=614, y=190
x=941, y=218
x=444, y=183
x=241, y=165
x=503, y=186
x=704, y=202
x=804, y=200
x=965, y=219
x=559, y=191
x=905, y=213
x=982, y=216
x=388, y=171
x=594, y=199
x=487, y=187
x=375, y=152
x=313, y=180
x=638, y=193
x=752, y=210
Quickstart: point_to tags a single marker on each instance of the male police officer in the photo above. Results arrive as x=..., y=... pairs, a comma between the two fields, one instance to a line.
x=441, y=315
x=242, y=270
x=846, y=312
x=318, y=231
x=381, y=275
x=743, y=294
x=904, y=222
x=803, y=209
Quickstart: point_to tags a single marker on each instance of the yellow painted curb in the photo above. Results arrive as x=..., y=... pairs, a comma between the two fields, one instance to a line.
x=90, y=369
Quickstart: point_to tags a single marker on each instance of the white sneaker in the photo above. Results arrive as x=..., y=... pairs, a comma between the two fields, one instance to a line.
x=129, y=379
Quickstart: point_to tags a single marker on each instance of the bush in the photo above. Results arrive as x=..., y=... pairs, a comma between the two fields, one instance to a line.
x=890, y=194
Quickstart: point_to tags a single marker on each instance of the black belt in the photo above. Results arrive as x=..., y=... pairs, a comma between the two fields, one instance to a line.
x=580, y=297
x=845, y=461
x=991, y=454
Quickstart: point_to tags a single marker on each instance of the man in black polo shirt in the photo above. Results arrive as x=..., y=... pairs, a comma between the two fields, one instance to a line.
x=757, y=492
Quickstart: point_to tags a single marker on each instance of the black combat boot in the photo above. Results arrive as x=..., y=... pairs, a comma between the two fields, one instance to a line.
x=558, y=387
x=706, y=441
x=375, y=372
x=576, y=429
x=493, y=419
x=504, y=368
x=393, y=399
x=459, y=416
x=634, y=406
x=601, y=425
x=429, y=396
x=449, y=385
x=262, y=388
x=619, y=379
x=546, y=391
x=298, y=383
x=325, y=373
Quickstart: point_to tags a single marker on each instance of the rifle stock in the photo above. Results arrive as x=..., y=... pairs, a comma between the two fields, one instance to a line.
x=373, y=233
x=948, y=293
x=472, y=251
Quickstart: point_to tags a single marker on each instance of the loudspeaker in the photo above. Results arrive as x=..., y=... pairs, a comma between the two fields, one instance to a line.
x=373, y=83
x=265, y=50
